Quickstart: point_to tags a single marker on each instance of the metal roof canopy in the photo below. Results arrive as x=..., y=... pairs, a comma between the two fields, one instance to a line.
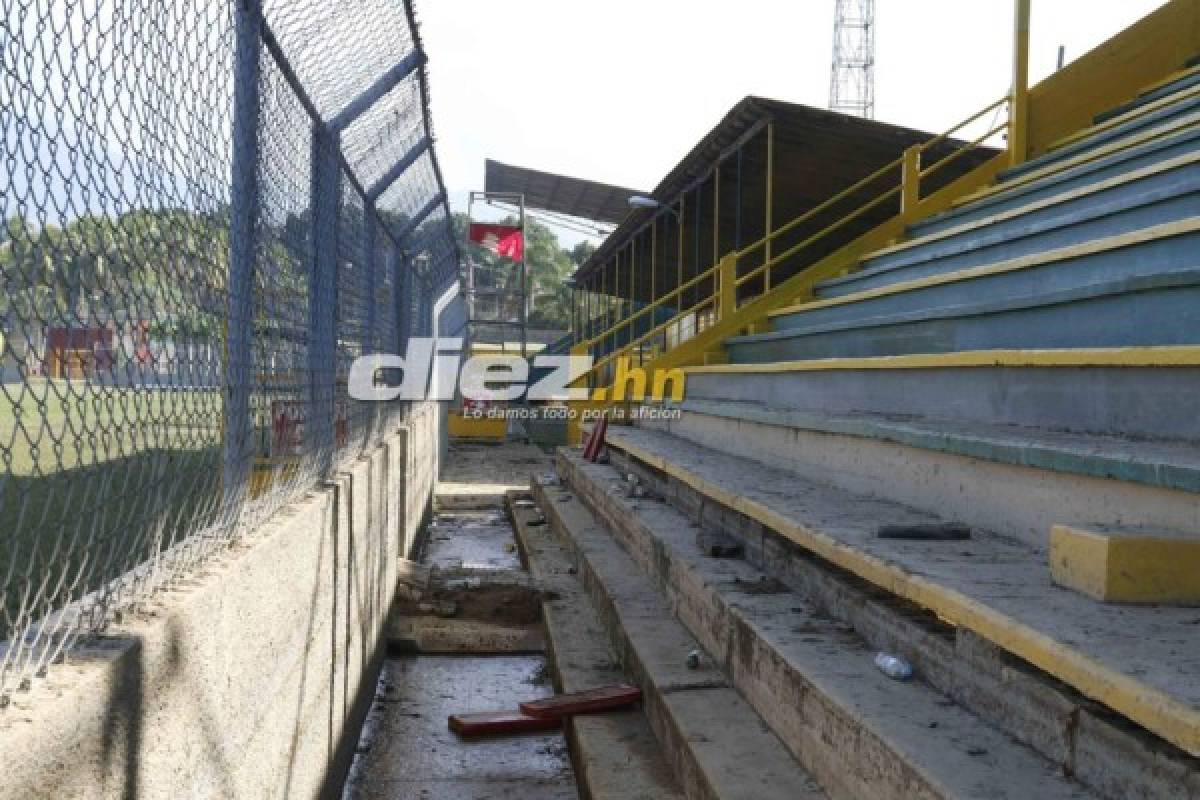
x=559, y=193
x=818, y=154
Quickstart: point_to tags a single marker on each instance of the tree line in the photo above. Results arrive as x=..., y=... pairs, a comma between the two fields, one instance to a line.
x=169, y=267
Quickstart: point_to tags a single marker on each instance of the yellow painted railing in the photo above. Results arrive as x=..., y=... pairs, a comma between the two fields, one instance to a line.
x=1152, y=50
x=725, y=286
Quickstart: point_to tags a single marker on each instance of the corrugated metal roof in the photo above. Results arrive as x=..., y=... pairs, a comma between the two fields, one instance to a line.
x=818, y=154
x=559, y=193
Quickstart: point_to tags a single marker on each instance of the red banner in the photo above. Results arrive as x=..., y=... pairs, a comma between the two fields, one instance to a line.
x=504, y=240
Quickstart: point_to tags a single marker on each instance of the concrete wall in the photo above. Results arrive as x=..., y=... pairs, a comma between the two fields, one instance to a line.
x=425, y=452
x=251, y=679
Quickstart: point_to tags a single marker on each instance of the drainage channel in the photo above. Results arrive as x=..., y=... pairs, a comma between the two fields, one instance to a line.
x=453, y=659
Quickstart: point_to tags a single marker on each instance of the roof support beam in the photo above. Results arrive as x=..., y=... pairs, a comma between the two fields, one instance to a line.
x=393, y=174
x=373, y=93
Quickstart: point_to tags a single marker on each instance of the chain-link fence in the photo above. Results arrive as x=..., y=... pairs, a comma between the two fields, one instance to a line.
x=209, y=209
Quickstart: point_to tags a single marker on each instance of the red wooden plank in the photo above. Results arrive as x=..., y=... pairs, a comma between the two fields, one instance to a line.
x=595, y=442
x=495, y=722
x=602, y=698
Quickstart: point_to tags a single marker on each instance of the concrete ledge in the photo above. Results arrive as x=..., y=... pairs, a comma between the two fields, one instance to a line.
x=615, y=755
x=1062, y=358
x=1082, y=738
x=1170, y=104
x=992, y=587
x=1183, y=79
x=1124, y=566
x=436, y=636
x=1114, y=133
x=250, y=678
x=1168, y=465
x=1010, y=480
x=1145, y=149
x=1133, y=201
x=1051, y=176
x=1140, y=238
x=985, y=306
x=1063, y=390
x=1117, y=181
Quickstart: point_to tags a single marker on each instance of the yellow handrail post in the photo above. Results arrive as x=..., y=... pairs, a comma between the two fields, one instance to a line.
x=910, y=182
x=1018, y=115
x=728, y=287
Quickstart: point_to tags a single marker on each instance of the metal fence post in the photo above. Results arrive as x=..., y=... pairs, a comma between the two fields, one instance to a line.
x=419, y=322
x=322, y=298
x=403, y=300
x=427, y=306
x=371, y=263
x=391, y=330
x=244, y=211
x=370, y=334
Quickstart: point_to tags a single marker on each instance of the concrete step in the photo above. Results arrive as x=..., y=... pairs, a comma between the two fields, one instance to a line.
x=1141, y=311
x=1186, y=80
x=1163, y=110
x=1018, y=482
x=615, y=754
x=1086, y=740
x=1177, y=94
x=1136, y=392
x=1146, y=253
x=716, y=743
x=1160, y=143
x=811, y=676
x=1162, y=193
x=1139, y=662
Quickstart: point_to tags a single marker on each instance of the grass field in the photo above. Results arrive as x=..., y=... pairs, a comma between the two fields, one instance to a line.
x=95, y=480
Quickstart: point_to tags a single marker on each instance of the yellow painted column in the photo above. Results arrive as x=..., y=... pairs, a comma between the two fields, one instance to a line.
x=727, y=271
x=910, y=182
x=1018, y=112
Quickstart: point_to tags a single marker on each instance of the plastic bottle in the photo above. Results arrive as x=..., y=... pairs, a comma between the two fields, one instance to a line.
x=893, y=666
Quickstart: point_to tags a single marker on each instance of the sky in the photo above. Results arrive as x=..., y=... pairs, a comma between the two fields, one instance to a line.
x=619, y=91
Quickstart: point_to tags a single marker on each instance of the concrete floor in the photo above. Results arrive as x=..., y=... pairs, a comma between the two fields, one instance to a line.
x=405, y=751
x=477, y=475
x=475, y=538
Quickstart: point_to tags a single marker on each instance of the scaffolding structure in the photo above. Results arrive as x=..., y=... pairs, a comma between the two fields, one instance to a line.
x=852, y=82
x=505, y=298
